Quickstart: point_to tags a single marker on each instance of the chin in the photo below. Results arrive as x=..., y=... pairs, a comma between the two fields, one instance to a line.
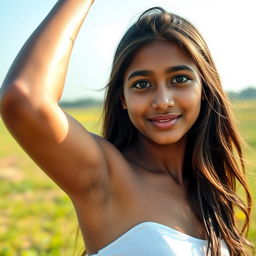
x=163, y=138
x=165, y=141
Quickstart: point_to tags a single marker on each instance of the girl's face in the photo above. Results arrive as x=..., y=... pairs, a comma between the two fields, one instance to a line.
x=162, y=92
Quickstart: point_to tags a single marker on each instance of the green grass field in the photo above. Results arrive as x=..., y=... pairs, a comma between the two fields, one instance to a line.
x=37, y=218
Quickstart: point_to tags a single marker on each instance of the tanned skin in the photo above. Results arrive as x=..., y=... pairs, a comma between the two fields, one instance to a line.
x=111, y=191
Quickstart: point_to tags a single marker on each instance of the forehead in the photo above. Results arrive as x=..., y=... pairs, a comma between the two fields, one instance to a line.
x=159, y=54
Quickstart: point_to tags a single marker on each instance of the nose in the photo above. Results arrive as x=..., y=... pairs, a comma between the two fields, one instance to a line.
x=163, y=99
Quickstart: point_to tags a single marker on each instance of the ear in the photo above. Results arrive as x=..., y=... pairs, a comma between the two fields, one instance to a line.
x=123, y=102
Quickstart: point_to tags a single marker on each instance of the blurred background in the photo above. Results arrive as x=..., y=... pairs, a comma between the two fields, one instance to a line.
x=227, y=26
x=37, y=218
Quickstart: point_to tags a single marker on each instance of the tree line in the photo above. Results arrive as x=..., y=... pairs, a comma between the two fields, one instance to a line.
x=247, y=93
x=81, y=103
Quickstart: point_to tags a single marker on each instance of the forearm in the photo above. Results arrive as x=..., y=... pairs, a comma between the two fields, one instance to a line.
x=39, y=69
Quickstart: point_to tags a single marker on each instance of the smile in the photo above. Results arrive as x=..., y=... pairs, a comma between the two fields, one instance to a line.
x=164, y=121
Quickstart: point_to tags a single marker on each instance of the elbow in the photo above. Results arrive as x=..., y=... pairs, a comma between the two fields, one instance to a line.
x=12, y=98
x=18, y=103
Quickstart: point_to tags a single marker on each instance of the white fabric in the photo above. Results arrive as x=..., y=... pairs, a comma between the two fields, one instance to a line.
x=154, y=239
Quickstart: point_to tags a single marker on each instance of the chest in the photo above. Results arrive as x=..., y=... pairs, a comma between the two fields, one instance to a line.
x=138, y=199
x=162, y=200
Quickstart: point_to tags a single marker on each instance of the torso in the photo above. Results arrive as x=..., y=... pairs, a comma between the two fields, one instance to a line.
x=135, y=196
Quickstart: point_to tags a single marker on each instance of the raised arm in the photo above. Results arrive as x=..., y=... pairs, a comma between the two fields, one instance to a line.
x=69, y=154
x=40, y=68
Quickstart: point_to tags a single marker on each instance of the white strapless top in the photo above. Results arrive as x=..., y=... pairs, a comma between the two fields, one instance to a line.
x=154, y=239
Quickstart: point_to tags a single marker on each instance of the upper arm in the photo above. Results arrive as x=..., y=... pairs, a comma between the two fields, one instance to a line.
x=59, y=144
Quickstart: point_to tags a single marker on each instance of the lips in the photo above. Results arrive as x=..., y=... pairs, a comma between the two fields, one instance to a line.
x=164, y=118
x=164, y=121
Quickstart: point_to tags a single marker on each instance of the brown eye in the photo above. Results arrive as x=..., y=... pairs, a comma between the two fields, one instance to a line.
x=180, y=79
x=141, y=84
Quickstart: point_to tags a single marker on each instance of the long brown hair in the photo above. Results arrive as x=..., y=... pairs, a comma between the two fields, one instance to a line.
x=213, y=162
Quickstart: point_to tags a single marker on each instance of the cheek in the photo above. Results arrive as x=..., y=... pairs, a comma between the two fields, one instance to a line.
x=192, y=102
x=135, y=104
x=134, y=109
x=137, y=109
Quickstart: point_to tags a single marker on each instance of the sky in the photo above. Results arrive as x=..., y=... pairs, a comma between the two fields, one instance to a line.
x=228, y=27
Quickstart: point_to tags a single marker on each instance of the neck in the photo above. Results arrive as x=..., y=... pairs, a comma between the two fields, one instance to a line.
x=165, y=159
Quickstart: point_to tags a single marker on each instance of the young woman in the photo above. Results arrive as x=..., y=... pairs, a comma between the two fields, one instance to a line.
x=162, y=179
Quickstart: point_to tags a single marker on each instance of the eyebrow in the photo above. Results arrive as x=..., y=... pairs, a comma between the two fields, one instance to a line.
x=169, y=70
